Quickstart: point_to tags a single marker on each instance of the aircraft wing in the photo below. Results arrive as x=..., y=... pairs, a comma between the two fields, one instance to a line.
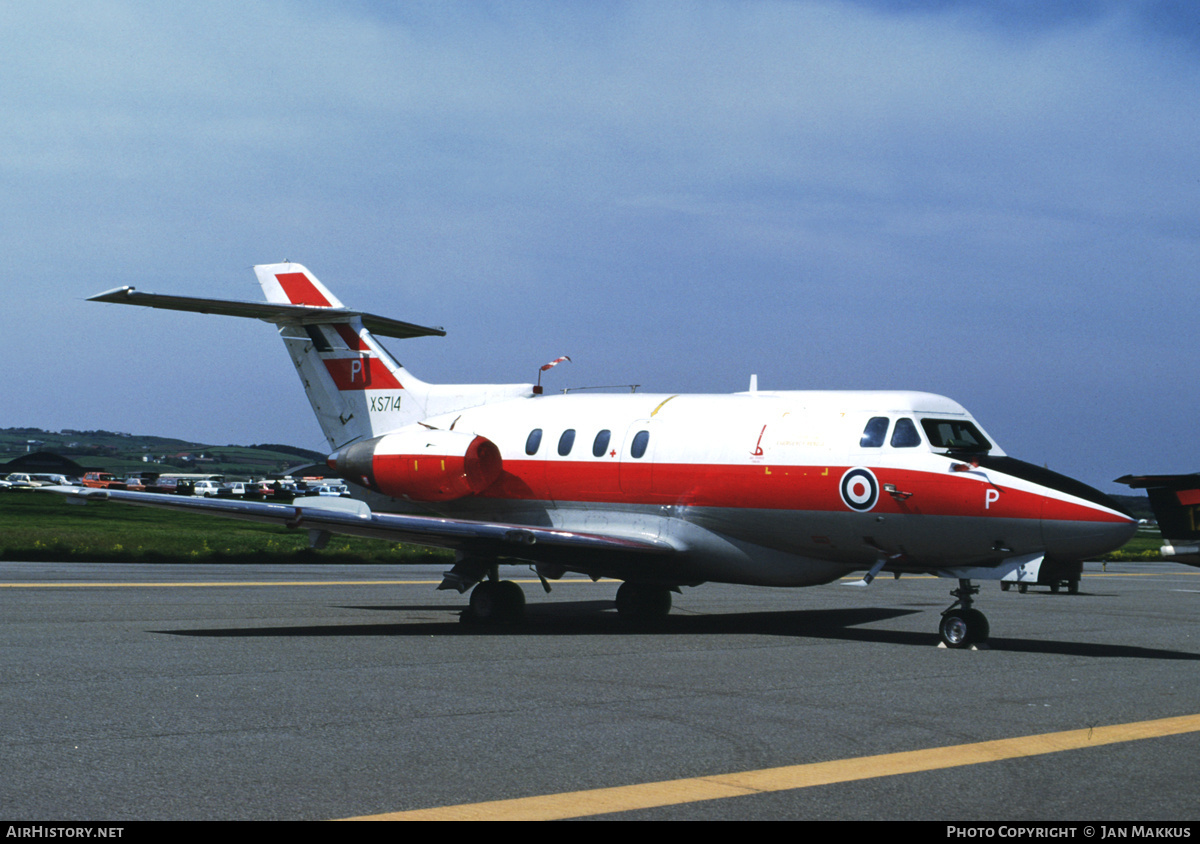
x=354, y=518
x=267, y=311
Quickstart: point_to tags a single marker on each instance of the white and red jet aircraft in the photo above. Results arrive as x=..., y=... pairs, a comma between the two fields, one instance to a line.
x=659, y=491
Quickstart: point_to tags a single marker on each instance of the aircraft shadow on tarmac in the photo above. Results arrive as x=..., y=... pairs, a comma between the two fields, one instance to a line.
x=587, y=618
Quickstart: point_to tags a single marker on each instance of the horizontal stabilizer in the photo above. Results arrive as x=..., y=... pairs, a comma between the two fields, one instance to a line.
x=268, y=312
x=1191, y=481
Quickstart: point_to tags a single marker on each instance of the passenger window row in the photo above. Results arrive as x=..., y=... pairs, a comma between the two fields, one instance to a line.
x=637, y=448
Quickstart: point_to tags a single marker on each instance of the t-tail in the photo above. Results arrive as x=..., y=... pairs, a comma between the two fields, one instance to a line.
x=357, y=389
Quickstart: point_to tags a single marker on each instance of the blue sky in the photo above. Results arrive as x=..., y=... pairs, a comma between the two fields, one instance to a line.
x=992, y=201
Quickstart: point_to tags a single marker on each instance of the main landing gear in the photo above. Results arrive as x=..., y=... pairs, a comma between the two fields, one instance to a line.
x=643, y=601
x=497, y=602
x=961, y=625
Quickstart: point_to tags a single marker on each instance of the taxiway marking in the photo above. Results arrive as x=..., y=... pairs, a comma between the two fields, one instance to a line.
x=165, y=583
x=602, y=801
x=565, y=582
x=217, y=583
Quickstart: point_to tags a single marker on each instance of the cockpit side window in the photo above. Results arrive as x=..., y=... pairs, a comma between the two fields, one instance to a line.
x=875, y=432
x=955, y=434
x=905, y=435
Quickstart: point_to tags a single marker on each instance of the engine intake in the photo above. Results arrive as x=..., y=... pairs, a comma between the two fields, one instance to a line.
x=421, y=464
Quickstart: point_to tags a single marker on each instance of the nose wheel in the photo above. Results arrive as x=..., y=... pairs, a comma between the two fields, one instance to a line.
x=963, y=626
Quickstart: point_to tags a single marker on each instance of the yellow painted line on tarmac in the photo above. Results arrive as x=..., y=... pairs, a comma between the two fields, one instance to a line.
x=602, y=801
x=1183, y=572
x=166, y=584
x=565, y=582
x=155, y=584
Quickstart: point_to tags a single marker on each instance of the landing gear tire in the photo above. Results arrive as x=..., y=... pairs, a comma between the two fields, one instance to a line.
x=963, y=628
x=1054, y=588
x=497, y=602
x=643, y=601
x=1073, y=587
x=1004, y=585
x=1023, y=588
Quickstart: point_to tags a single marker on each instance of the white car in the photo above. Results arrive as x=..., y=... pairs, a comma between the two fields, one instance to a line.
x=22, y=480
x=334, y=489
x=206, y=488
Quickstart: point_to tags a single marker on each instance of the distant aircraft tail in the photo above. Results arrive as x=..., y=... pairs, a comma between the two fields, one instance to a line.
x=1175, y=500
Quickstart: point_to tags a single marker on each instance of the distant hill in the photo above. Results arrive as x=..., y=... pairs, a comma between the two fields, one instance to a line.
x=126, y=454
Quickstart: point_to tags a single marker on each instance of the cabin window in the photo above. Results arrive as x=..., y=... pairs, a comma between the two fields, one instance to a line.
x=534, y=441
x=600, y=444
x=954, y=434
x=640, y=440
x=874, y=433
x=905, y=435
x=566, y=441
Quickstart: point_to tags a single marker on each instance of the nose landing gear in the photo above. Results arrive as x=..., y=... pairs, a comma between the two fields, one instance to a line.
x=962, y=626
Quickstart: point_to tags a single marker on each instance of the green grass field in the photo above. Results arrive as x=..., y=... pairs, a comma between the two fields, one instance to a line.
x=42, y=526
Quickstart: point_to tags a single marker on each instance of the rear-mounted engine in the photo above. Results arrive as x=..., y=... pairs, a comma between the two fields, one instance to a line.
x=421, y=464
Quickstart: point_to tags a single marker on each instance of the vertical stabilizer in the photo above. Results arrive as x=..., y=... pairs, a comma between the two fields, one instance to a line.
x=356, y=388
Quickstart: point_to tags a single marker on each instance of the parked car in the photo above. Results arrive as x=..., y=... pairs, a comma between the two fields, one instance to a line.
x=334, y=489
x=206, y=488
x=20, y=479
x=53, y=480
x=101, y=480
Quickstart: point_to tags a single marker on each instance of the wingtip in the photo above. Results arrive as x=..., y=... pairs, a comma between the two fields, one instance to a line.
x=110, y=295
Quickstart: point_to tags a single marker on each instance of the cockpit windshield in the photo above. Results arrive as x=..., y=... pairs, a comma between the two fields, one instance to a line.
x=955, y=435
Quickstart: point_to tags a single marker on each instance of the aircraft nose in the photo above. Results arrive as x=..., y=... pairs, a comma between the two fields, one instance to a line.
x=1080, y=522
x=1083, y=540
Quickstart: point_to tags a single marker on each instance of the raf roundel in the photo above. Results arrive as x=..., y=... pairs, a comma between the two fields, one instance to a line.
x=859, y=489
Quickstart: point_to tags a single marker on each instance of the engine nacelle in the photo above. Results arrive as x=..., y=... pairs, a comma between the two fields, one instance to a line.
x=421, y=464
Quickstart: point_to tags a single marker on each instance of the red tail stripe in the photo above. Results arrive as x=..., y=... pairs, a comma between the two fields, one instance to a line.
x=352, y=339
x=300, y=291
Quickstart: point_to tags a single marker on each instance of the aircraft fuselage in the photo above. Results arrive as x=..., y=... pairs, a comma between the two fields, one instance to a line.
x=779, y=488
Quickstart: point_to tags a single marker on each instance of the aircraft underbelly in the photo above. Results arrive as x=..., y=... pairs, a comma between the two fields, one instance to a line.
x=859, y=539
x=769, y=546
